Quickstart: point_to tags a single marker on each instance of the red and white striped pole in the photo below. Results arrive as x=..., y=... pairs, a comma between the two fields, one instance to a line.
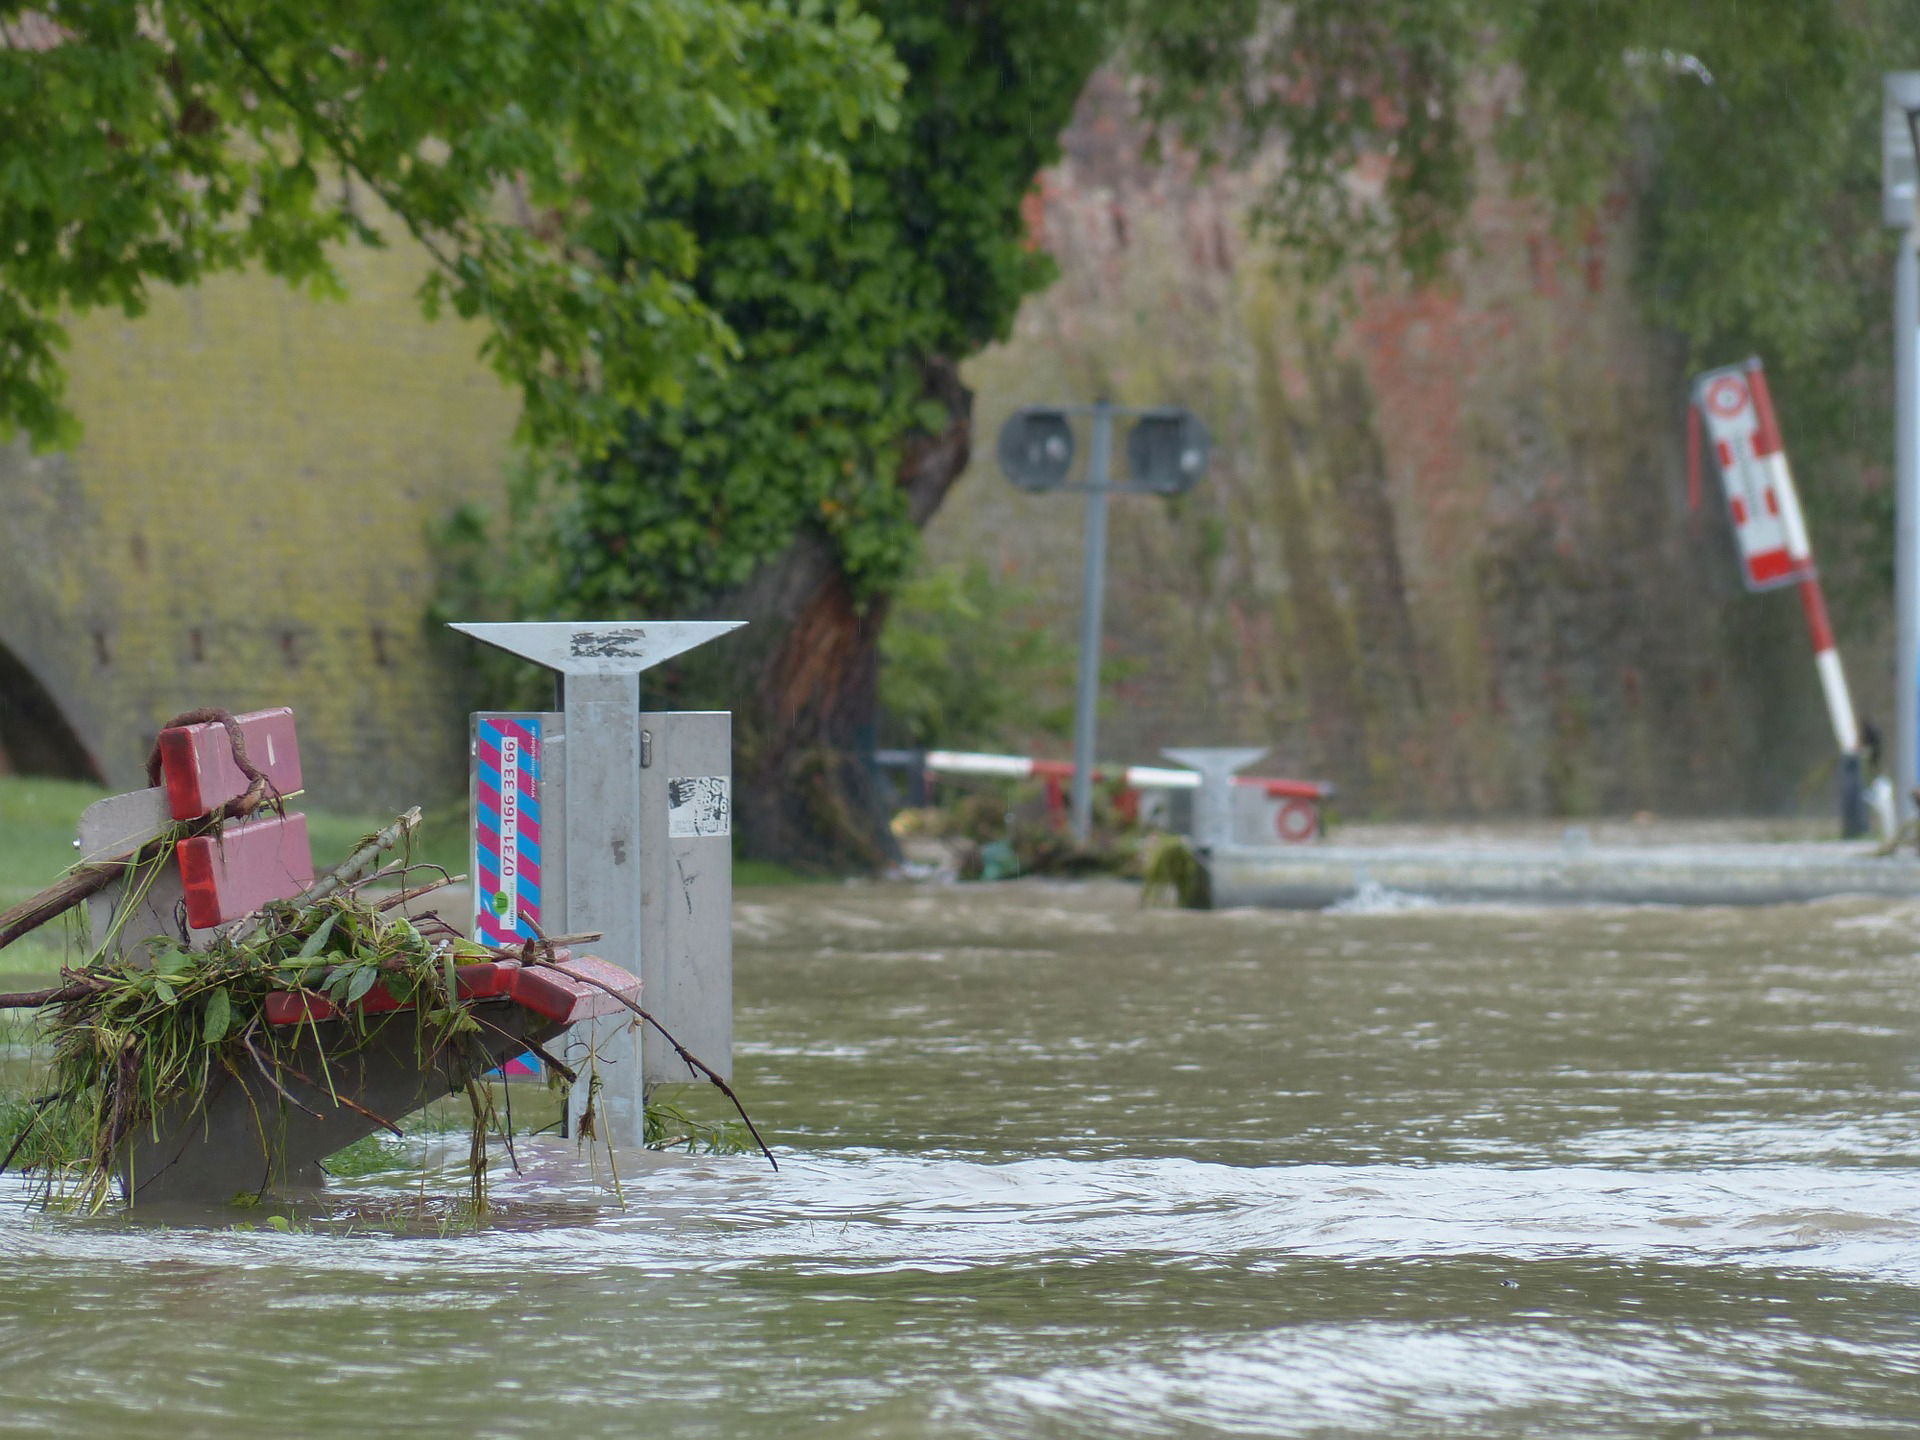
x=1771, y=532
x=1772, y=454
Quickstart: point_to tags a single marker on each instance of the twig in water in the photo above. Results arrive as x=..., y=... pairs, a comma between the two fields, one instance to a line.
x=39, y=1108
x=351, y=1104
x=694, y=1062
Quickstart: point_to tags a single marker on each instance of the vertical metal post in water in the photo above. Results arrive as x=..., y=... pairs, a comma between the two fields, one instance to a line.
x=1093, y=588
x=1906, y=524
x=1213, y=800
x=1900, y=209
x=606, y=828
x=603, y=822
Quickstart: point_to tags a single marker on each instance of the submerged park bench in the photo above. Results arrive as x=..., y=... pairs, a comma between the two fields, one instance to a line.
x=248, y=1131
x=597, y=822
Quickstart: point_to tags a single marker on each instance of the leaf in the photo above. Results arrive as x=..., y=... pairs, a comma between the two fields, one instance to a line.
x=163, y=989
x=316, y=940
x=173, y=962
x=219, y=1016
x=362, y=982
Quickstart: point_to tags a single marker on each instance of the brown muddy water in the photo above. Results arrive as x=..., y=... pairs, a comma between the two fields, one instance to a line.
x=1052, y=1166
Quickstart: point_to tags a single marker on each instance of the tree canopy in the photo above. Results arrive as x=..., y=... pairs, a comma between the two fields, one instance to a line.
x=1755, y=121
x=839, y=313
x=520, y=143
x=1746, y=132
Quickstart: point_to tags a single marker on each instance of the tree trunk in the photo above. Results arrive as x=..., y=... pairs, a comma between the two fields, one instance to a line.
x=805, y=792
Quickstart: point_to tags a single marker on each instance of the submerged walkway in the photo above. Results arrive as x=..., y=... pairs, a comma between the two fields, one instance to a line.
x=1625, y=862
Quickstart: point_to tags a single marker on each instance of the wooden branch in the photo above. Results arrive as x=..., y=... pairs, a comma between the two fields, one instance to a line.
x=694, y=1062
x=52, y=995
x=343, y=874
x=79, y=883
x=340, y=1099
x=402, y=897
x=260, y=1064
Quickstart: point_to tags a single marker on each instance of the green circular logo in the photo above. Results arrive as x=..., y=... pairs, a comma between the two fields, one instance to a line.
x=500, y=902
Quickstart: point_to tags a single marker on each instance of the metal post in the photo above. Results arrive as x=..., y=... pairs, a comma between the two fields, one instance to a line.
x=605, y=832
x=1093, y=586
x=1213, y=799
x=603, y=821
x=1906, y=525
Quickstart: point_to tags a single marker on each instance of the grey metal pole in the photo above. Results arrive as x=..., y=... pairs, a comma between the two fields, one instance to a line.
x=1906, y=525
x=603, y=888
x=1093, y=588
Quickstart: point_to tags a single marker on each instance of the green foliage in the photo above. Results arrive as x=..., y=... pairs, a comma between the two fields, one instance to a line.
x=1756, y=104
x=837, y=315
x=669, y=1125
x=964, y=666
x=1170, y=870
x=1756, y=114
x=523, y=144
x=1001, y=829
x=1746, y=129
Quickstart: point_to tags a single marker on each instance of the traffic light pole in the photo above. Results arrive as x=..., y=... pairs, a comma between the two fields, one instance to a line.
x=1166, y=455
x=1093, y=591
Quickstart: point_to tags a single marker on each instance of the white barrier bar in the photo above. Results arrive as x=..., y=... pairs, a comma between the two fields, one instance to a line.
x=1135, y=777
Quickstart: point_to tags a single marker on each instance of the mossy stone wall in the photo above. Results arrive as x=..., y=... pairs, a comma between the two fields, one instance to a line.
x=1442, y=556
x=246, y=523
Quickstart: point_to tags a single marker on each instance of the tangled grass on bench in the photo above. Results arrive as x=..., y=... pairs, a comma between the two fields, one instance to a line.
x=136, y=1034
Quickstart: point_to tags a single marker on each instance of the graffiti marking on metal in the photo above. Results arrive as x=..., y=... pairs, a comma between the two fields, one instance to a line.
x=698, y=806
x=604, y=644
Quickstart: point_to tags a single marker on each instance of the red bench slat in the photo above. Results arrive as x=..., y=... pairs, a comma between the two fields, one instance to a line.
x=487, y=980
x=197, y=761
x=237, y=871
x=562, y=992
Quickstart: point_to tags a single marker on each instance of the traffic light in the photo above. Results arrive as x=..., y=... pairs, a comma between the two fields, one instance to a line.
x=1167, y=452
x=1036, y=448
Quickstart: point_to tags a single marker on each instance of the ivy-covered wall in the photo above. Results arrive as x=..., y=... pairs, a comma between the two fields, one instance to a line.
x=1442, y=557
x=246, y=524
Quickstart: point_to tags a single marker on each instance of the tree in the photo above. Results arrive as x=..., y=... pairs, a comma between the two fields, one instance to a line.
x=1747, y=130
x=789, y=489
x=520, y=143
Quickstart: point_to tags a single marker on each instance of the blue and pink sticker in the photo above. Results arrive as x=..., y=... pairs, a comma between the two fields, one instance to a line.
x=506, y=828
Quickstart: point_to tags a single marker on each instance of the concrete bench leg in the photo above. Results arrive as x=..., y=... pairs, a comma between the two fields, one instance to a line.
x=246, y=1139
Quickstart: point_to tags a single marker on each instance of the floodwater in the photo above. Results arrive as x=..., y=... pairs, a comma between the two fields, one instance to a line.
x=1052, y=1166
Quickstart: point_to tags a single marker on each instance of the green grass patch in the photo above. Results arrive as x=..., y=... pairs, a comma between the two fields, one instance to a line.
x=38, y=818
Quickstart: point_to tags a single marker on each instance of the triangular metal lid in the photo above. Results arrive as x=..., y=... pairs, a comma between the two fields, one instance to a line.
x=1215, y=759
x=613, y=647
